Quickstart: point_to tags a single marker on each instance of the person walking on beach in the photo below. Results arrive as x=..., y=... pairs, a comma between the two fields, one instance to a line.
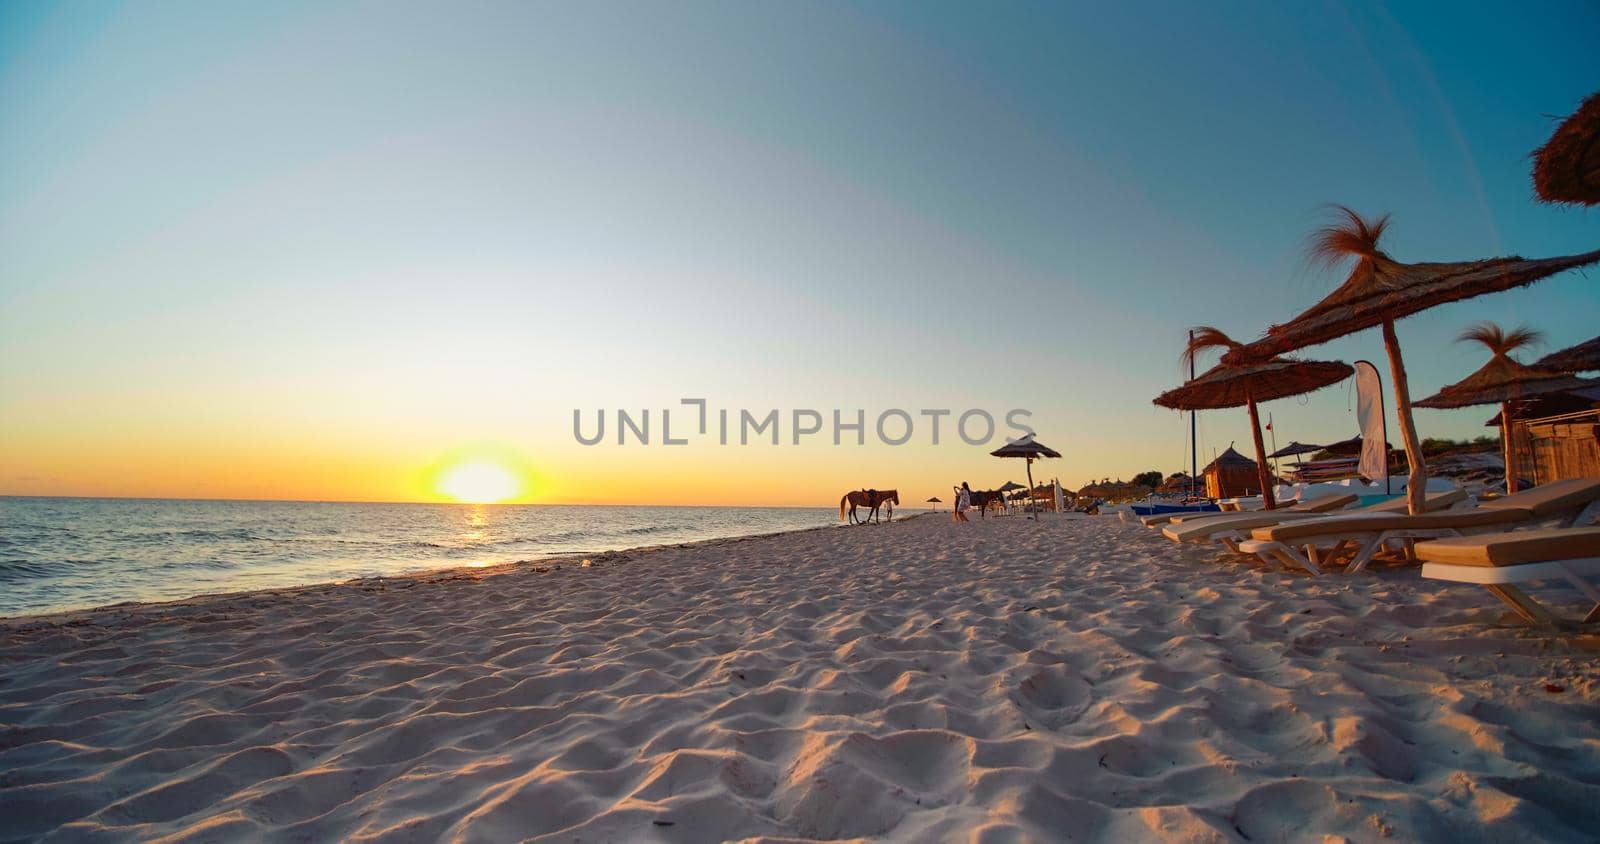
x=963, y=501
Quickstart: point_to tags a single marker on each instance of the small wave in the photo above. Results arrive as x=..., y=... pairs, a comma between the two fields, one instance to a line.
x=203, y=534
x=14, y=570
x=648, y=529
x=183, y=565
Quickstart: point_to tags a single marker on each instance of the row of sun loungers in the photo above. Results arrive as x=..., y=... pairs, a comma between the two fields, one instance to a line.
x=1321, y=504
x=1495, y=543
x=1360, y=537
x=1232, y=529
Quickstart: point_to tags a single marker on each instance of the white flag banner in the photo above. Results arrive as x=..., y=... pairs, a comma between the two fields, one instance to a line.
x=1369, y=412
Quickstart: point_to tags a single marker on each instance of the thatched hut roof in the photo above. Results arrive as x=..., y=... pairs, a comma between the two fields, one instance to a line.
x=1567, y=167
x=1381, y=289
x=1553, y=404
x=1583, y=357
x=1230, y=458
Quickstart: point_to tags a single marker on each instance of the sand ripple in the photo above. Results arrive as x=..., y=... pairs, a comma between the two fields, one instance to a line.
x=997, y=681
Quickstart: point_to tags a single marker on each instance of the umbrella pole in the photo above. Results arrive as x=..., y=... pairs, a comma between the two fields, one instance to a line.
x=1417, y=481
x=1263, y=474
x=1029, y=462
x=1507, y=447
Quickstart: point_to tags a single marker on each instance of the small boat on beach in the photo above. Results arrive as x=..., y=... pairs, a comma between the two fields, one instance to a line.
x=1158, y=508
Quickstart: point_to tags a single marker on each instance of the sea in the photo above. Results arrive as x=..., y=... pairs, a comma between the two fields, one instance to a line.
x=73, y=553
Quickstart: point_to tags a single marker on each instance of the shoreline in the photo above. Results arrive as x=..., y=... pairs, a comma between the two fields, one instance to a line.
x=556, y=560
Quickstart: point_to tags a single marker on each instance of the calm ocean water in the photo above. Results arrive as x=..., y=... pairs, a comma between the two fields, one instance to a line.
x=71, y=553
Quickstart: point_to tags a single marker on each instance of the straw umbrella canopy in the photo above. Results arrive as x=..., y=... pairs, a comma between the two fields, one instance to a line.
x=1502, y=381
x=1295, y=448
x=935, y=502
x=1567, y=167
x=1351, y=447
x=1247, y=385
x=1380, y=291
x=1583, y=357
x=1027, y=449
x=1011, y=487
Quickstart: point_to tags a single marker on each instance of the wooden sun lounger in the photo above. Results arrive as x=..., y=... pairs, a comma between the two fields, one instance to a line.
x=1234, y=528
x=1319, y=504
x=1499, y=561
x=1311, y=544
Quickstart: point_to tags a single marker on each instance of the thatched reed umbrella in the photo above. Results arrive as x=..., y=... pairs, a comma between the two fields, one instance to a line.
x=1009, y=487
x=1503, y=381
x=1352, y=447
x=1029, y=451
x=935, y=502
x=1584, y=357
x=1295, y=449
x=1567, y=167
x=1380, y=291
x=1247, y=385
x=1175, y=483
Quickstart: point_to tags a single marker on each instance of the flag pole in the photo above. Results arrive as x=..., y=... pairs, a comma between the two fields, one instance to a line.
x=1274, y=433
x=1194, y=445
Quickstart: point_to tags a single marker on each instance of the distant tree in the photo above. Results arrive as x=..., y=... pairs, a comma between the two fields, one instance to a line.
x=1152, y=479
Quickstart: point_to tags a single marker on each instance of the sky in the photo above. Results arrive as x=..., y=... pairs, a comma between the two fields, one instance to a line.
x=335, y=251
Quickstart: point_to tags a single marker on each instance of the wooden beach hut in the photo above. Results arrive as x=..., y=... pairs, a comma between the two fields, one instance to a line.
x=1231, y=475
x=1504, y=381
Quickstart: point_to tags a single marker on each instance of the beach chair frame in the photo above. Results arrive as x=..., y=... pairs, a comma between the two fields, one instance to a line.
x=1502, y=580
x=1314, y=553
x=1366, y=545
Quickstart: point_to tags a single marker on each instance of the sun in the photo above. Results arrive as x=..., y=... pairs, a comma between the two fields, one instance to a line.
x=479, y=482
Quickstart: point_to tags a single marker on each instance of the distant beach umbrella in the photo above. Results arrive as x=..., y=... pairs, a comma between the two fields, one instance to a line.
x=1503, y=381
x=1350, y=447
x=1029, y=450
x=1380, y=291
x=1294, y=449
x=1584, y=357
x=1567, y=167
x=1247, y=385
x=935, y=502
x=1011, y=486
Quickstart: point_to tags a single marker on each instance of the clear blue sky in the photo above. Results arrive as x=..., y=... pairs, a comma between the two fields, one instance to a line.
x=386, y=229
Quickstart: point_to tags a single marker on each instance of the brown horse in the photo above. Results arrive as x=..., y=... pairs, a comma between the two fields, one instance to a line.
x=983, y=499
x=871, y=498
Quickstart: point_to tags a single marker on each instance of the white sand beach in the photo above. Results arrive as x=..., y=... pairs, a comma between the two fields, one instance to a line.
x=1002, y=680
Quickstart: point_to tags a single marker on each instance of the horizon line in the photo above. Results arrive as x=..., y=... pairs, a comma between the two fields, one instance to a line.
x=411, y=502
